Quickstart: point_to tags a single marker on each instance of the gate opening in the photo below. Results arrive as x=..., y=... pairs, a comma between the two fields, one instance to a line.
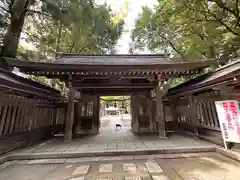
x=115, y=113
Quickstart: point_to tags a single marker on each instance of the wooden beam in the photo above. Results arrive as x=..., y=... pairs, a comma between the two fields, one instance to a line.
x=70, y=113
x=116, y=87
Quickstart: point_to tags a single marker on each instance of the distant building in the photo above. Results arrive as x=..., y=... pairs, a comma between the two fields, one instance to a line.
x=111, y=110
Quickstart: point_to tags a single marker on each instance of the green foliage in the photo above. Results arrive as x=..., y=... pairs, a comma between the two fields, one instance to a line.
x=80, y=27
x=57, y=25
x=190, y=29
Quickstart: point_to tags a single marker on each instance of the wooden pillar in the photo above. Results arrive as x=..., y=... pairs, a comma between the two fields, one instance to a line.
x=135, y=114
x=194, y=115
x=159, y=111
x=150, y=115
x=70, y=114
x=78, y=118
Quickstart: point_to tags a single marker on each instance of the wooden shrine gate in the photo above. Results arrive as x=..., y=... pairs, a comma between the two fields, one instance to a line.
x=90, y=76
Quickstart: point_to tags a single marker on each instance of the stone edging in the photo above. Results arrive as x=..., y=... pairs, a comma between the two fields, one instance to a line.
x=33, y=156
x=94, y=155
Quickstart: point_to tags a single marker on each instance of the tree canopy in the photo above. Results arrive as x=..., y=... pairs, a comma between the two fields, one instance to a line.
x=190, y=29
x=51, y=26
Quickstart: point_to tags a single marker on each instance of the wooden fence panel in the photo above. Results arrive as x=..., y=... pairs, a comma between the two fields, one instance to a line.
x=199, y=112
x=19, y=114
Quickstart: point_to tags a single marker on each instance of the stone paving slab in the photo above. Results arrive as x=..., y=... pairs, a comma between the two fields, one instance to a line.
x=110, y=142
x=102, y=145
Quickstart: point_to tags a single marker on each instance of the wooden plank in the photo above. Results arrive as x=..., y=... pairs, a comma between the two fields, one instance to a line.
x=37, y=117
x=210, y=113
x=215, y=117
x=205, y=123
x=208, y=118
x=8, y=119
x=13, y=119
x=26, y=119
x=3, y=119
x=18, y=116
x=22, y=118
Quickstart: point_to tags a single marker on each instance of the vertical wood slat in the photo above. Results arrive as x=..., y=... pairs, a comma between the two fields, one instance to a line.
x=37, y=117
x=210, y=114
x=25, y=119
x=215, y=117
x=43, y=118
x=3, y=119
x=204, y=121
x=7, y=121
x=13, y=119
x=18, y=119
x=22, y=118
x=32, y=116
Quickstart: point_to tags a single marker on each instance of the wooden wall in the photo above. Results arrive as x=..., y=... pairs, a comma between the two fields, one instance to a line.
x=24, y=120
x=197, y=114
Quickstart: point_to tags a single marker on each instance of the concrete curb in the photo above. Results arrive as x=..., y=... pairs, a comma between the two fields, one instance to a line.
x=231, y=154
x=102, y=154
x=108, y=153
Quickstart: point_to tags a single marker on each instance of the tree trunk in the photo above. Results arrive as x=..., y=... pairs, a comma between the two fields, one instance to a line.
x=11, y=39
x=18, y=12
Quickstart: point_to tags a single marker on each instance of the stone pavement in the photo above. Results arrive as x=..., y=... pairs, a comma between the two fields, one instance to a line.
x=200, y=166
x=111, y=141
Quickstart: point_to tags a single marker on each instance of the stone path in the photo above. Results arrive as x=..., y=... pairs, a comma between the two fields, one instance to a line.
x=201, y=166
x=114, y=142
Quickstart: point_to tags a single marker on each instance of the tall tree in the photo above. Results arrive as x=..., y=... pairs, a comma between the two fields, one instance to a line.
x=16, y=10
x=84, y=27
x=63, y=18
x=190, y=29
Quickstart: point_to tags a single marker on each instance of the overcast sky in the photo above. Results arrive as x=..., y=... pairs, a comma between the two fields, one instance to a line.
x=135, y=8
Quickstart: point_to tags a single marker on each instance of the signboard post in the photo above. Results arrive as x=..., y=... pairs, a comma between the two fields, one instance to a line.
x=229, y=119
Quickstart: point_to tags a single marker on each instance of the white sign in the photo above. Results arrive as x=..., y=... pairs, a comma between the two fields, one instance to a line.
x=229, y=119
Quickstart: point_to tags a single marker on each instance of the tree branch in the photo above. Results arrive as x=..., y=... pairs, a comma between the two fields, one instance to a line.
x=222, y=23
x=30, y=11
x=220, y=4
x=216, y=19
x=3, y=8
x=176, y=49
x=80, y=49
x=173, y=46
x=71, y=48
